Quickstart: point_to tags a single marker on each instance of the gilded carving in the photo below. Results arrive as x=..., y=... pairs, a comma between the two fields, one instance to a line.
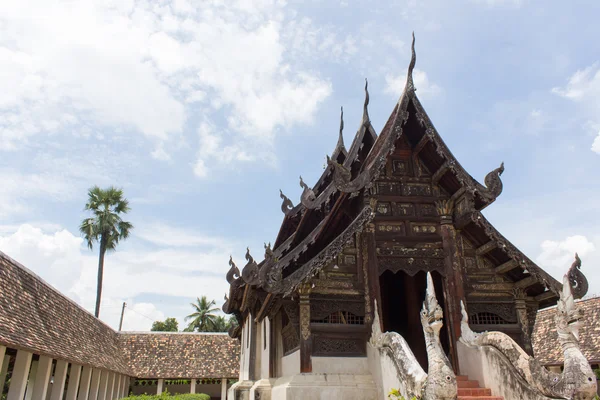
x=416, y=189
x=389, y=188
x=424, y=229
x=304, y=291
x=400, y=167
x=391, y=227
x=350, y=260
x=404, y=209
x=365, y=265
x=384, y=208
x=445, y=207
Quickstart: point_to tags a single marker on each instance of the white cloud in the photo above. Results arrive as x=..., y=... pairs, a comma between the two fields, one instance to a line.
x=596, y=144
x=557, y=256
x=492, y=3
x=582, y=84
x=19, y=187
x=165, y=235
x=395, y=84
x=142, y=66
x=583, y=87
x=62, y=259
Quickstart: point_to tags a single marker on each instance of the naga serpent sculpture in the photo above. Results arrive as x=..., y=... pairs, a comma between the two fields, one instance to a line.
x=576, y=382
x=440, y=382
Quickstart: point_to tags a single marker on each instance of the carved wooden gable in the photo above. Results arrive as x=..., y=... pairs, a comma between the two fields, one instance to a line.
x=407, y=226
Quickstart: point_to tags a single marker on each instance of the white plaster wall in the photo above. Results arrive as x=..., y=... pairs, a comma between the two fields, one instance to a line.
x=245, y=349
x=493, y=370
x=258, y=343
x=290, y=364
x=265, y=327
x=384, y=373
x=340, y=365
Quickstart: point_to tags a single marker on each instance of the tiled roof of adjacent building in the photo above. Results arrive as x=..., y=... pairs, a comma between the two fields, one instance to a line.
x=181, y=355
x=36, y=317
x=545, y=339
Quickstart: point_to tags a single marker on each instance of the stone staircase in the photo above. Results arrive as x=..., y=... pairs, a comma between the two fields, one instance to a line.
x=470, y=390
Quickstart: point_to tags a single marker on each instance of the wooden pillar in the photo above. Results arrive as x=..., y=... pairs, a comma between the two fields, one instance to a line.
x=522, y=318
x=127, y=386
x=84, y=383
x=18, y=381
x=223, y=388
x=454, y=291
x=117, y=386
x=369, y=264
x=31, y=380
x=193, y=386
x=74, y=376
x=159, y=386
x=60, y=375
x=110, y=387
x=103, y=386
x=4, y=360
x=95, y=384
x=44, y=369
x=305, y=334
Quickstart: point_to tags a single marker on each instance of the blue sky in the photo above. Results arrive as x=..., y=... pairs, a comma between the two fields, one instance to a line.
x=201, y=111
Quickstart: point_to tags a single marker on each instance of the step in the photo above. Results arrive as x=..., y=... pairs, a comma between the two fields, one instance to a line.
x=474, y=392
x=480, y=398
x=470, y=390
x=467, y=384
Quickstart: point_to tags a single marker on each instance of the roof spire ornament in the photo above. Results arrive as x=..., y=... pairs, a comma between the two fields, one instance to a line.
x=339, y=147
x=410, y=85
x=234, y=272
x=577, y=279
x=286, y=205
x=366, y=106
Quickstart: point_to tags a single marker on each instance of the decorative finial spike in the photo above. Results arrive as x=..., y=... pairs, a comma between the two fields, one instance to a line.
x=366, y=106
x=341, y=139
x=413, y=60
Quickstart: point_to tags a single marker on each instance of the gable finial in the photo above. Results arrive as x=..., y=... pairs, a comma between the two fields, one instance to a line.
x=366, y=106
x=410, y=85
x=286, y=205
x=339, y=147
x=341, y=138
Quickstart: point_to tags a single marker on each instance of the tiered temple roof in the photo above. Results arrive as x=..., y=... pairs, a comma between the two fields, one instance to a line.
x=341, y=202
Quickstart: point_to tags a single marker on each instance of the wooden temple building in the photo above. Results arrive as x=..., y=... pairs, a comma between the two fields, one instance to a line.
x=387, y=210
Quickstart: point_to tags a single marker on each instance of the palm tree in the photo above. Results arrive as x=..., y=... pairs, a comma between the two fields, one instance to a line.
x=202, y=318
x=106, y=226
x=221, y=324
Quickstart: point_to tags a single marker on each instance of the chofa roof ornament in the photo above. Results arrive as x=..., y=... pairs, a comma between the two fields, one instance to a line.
x=340, y=148
x=577, y=279
x=233, y=273
x=286, y=205
x=250, y=271
x=410, y=84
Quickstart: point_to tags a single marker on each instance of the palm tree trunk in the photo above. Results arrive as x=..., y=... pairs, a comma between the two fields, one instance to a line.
x=100, y=274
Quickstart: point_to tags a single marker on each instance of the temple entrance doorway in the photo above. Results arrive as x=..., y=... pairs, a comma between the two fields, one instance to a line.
x=402, y=297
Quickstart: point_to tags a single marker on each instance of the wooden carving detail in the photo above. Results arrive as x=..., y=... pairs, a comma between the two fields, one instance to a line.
x=250, y=271
x=411, y=265
x=506, y=311
x=325, y=346
x=286, y=205
x=320, y=309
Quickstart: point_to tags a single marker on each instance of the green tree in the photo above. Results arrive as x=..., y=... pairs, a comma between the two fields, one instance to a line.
x=106, y=227
x=203, y=318
x=221, y=324
x=169, y=325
